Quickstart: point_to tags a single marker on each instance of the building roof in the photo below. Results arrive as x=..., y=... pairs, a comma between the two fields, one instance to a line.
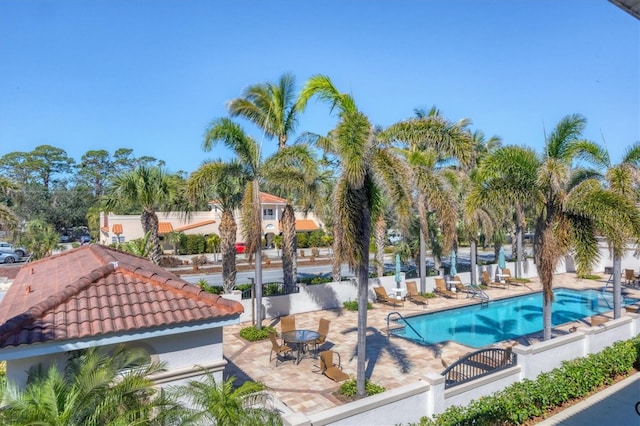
x=165, y=227
x=304, y=225
x=117, y=228
x=271, y=199
x=195, y=225
x=632, y=7
x=94, y=291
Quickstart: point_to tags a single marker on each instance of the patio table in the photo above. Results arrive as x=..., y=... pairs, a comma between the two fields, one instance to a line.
x=300, y=339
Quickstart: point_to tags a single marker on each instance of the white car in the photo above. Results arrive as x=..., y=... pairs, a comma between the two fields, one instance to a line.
x=8, y=248
x=6, y=257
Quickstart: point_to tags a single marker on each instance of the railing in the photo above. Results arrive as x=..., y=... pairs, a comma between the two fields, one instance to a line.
x=405, y=321
x=480, y=293
x=272, y=289
x=478, y=364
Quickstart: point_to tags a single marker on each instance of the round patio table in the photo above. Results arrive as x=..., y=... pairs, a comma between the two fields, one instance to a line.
x=300, y=338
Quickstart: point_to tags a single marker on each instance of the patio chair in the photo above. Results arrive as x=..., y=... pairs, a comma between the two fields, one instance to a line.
x=486, y=279
x=442, y=289
x=382, y=296
x=323, y=330
x=277, y=348
x=330, y=369
x=414, y=296
x=630, y=276
x=460, y=288
x=287, y=323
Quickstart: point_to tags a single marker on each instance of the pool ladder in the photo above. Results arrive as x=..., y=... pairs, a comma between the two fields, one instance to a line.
x=405, y=321
x=477, y=291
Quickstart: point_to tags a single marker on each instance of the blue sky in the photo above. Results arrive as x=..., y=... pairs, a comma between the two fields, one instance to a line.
x=151, y=74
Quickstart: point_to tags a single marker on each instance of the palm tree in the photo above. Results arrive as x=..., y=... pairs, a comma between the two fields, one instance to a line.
x=224, y=404
x=273, y=108
x=39, y=238
x=224, y=183
x=248, y=152
x=150, y=188
x=95, y=388
x=364, y=164
x=623, y=179
x=575, y=207
x=8, y=218
x=430, y=145
x=508, y=177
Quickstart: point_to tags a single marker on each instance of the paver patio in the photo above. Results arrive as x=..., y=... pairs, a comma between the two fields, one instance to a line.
x=391, y=362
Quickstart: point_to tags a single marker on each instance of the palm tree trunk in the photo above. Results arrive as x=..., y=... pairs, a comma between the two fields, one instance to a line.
x=336, y=261
x=150, y=224
x=288, y=247
x=380, y=233
x=258, y=252
x=519, y=230
x=228, y=231
x=474, y=261
x=546, y=317
x=617, y=286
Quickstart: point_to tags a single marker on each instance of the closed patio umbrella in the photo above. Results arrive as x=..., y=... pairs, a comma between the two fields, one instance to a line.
x=502, y=263
x=453, y=271
x=398, y=276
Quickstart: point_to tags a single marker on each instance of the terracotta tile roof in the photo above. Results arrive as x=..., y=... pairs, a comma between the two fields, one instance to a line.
x=165, y=227
x=303, y=225
x=94, y=290
x=195, y=225
x=271, y=199
x=117, y=228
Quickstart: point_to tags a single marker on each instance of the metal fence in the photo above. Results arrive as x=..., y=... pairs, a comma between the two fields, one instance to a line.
x=272, y=289
x=478, y=364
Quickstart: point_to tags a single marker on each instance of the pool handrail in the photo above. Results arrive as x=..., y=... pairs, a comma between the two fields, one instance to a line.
x=477, y=291
x=405, y=321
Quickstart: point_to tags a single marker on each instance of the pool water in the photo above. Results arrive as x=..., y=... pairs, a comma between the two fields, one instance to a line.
x=482, y=325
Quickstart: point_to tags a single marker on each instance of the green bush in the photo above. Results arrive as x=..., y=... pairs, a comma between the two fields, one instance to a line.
x=252, y=334
x=352, y=305
x=192, y=244
x=532, y=398
x=348, y=388
x=315, y=238
x=213, y=289
x=302, y=240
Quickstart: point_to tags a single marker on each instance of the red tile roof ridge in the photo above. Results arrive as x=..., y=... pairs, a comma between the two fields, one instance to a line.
x=16, y=324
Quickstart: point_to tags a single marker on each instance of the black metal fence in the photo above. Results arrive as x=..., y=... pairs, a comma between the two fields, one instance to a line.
x=478, y=364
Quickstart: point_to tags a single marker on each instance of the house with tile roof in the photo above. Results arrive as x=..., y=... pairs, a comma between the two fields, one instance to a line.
x=122, y=228
x=97, y=296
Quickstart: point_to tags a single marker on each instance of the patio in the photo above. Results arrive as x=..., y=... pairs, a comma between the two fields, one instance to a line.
x=391, y=362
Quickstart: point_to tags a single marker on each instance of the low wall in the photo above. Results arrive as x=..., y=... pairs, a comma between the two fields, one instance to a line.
x=427, y=396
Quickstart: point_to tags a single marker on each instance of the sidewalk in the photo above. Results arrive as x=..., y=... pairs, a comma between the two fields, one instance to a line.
x=614, y=406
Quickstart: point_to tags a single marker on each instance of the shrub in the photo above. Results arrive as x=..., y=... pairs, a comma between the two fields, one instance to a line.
x=352, y=305
x=589, y=276
x=348, y=388
x=205, y=286
x=192, y=244
x=170, y=262
x=252, y=334
x=302, y=239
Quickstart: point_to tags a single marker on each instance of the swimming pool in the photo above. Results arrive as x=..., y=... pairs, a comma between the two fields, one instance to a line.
x=482, y=325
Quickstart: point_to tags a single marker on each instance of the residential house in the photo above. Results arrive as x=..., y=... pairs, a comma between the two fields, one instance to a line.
x=122, y=228
x=98, y=296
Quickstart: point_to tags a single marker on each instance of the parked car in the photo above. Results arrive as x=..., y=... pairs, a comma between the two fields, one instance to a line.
x=240, y=248
x=6, y=257
x=65, y=239
x=85, y=239
x=9, y=248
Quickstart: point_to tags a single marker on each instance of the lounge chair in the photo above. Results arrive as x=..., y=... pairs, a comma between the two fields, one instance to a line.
x=460, y=288
x=486, y=279
x=382, y=296
x=330, y=369
x=442, y=289
x=287, y=323
x=277, y=348
x=630, y=276
x=414, y=296
x=323, y=330
x=489, y=282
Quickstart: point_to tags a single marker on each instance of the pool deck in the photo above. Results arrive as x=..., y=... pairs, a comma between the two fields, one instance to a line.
x=391, y=362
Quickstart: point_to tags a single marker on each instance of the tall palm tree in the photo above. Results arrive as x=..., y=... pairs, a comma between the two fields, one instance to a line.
x=247, y=150
x=575, y=206
x=364, y=164
x=624, y=180
x=150, y=188
x=509, y=177
x=273, y=108
x=223, y=404
x=224, y=183
x=95, y=388
x=430, y=145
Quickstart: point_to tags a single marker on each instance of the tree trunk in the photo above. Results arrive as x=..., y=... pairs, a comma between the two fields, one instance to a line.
x=617, y=286
x=520, y=218
x=474, y=261
x=228, y=230
x=547, y=311
x=150, y=224
x=289, y=247
x=336, y=261
x=258, y=253
x=380, y=236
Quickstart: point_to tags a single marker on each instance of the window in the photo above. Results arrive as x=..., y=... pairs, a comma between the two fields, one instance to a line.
x=268, y=214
